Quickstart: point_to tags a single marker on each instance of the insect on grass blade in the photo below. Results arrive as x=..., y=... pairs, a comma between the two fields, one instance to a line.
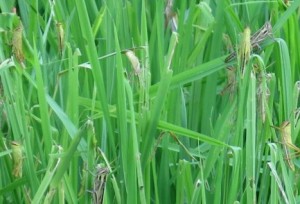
x=17, y=43
x=99, y=184
x=286, y=140
x=231, y=81
x=60, y=36
x=255, y=39
x=245, y=49
x=260, y=35
x=17, y=157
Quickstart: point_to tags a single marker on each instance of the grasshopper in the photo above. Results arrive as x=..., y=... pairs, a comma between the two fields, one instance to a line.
x=17, y=46
x=60, y=36
x=258, y=37
x=286, y=141
x=17, y=157
x=261, y=34
x=99, y=184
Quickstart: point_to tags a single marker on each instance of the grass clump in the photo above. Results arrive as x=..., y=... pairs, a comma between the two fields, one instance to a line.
x=139, y=102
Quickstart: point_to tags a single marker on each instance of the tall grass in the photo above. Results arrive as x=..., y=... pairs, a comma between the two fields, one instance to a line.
x=138, y=94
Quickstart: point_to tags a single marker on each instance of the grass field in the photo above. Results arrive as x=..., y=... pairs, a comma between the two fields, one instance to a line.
x=137, y=101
